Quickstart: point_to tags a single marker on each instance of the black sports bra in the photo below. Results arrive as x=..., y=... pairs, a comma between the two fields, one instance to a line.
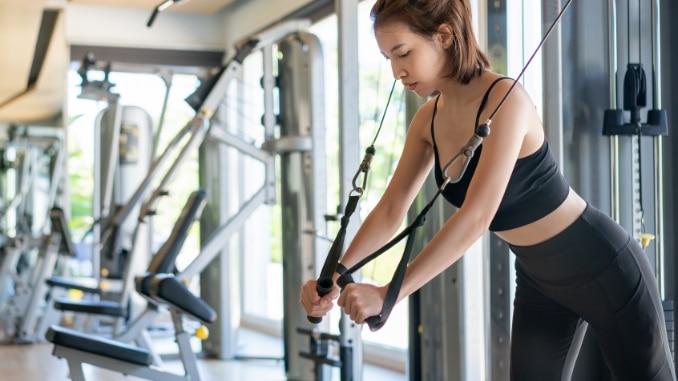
x=535, y=189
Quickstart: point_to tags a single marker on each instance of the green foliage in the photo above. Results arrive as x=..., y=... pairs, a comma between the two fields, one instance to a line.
x=80, y=185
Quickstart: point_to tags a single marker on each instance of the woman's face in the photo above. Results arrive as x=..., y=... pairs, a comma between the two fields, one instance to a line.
x=417, y=61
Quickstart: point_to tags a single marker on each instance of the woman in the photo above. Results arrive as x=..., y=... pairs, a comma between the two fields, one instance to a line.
x=572, y=261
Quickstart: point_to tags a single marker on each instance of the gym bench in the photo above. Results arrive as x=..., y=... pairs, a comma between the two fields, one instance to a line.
x=163, y=289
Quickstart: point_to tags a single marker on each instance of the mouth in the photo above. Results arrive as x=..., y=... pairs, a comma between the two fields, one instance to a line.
x=410, y=86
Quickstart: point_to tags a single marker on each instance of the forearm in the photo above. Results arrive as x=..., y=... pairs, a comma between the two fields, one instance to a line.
x=377, y=229
x=455, y=237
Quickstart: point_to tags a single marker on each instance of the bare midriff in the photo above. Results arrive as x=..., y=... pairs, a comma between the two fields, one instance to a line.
x=548, y=226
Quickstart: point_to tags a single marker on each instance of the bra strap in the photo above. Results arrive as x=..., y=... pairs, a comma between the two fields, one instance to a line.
x=483, y=103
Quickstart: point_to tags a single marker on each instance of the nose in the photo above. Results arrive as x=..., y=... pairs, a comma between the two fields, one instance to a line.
x=398, y=72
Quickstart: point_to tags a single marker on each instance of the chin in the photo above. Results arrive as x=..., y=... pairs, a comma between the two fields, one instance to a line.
x=426, y=93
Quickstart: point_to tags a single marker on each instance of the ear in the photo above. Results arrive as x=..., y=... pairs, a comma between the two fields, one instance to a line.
x=445, y=35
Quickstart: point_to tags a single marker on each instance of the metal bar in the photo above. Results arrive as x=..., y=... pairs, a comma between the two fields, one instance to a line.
x=498, y=350
x=219, y=238
x=553, y=75
x=154, y=171
x=349, y=149
x=109, y=172
x=269, y=119
x=197, y=136
x=29, y=320
x=615, y=206
x=658, y=151
x=258, y=41
x=77, y=357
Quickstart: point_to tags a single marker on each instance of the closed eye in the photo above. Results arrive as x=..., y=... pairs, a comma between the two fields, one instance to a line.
x=404, y=54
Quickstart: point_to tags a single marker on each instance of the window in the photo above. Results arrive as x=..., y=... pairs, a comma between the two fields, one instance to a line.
x=375, y=82
x=262, y=300
x=148, y=92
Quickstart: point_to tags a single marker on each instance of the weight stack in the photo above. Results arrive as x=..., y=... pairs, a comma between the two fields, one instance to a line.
x=668, y=317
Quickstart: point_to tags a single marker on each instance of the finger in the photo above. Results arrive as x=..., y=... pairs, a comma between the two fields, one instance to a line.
x=316, y=312
x=308, y=296
x=348, y=301
x=336, y=291
x=321, y=308
x=342, y=299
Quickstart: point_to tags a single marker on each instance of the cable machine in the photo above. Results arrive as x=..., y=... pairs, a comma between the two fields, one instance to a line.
x=294, y=132
x=636, y=132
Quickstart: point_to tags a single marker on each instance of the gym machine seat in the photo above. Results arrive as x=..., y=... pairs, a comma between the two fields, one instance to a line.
x=98, y=345
x=163, y=261
x=84, y=286
x=165, y=288
x=79, y=348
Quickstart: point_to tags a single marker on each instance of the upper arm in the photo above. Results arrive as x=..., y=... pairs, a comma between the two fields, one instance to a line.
x=414, y=165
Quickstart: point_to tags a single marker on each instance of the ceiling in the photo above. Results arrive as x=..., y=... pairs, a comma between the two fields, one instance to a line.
x=206, y=7
x=35, y=54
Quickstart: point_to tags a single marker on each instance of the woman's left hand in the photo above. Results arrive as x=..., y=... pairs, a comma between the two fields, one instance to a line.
x=362, y=300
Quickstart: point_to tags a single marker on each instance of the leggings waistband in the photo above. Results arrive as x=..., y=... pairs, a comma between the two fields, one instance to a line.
x=591, y=229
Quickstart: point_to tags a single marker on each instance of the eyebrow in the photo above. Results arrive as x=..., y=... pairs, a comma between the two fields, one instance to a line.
x=396, y=47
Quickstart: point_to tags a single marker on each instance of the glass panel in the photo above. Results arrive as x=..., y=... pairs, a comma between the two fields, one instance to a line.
x=262, y=252
x=146, y=91
x=375, y=83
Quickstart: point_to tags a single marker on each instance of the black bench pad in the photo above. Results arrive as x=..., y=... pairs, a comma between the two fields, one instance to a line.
x=98, y=345
x=73, y=284
x=168, y=289
x=142, y=284
x=98, y=307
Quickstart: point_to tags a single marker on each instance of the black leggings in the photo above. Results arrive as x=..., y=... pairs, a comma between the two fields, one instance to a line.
x=594, y=271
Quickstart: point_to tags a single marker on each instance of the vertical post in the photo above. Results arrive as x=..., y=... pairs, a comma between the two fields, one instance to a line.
x=219, y=282
x=498, y=349
x=658, y=157
x=347, y=24
x=302, y=169
x=269, y=117
x=552, y=81
x=615, y=209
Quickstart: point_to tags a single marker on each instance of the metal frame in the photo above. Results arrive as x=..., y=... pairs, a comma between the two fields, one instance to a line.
x=302, y=111
x=76, y=357
x=347, y=16
x=212, y=262
x=21, y=314
x=497, y=271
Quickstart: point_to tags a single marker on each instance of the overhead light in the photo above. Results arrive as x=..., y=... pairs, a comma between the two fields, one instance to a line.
x=164, y=5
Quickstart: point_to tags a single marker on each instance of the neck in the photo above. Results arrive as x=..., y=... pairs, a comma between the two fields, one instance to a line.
x=455, y=94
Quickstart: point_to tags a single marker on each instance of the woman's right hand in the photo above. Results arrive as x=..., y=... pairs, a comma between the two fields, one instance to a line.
x=313, y=304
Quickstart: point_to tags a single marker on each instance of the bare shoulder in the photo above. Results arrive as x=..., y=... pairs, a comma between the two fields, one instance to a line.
x=512, y=90
x=517, y=115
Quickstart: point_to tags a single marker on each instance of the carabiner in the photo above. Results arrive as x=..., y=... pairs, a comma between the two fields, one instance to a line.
x=364, y=168
x=467, y=151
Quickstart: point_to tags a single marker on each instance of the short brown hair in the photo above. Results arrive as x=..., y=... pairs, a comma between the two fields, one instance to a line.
x=425, y=17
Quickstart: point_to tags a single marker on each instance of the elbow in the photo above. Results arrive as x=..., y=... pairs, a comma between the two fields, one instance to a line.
x=477, y=220
x=392, y=211
x=393, y=220
x=390, y=216
x=481, y=224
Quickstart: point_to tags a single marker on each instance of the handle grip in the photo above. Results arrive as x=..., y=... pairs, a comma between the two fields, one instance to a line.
x=324, y=286
x=373, y=322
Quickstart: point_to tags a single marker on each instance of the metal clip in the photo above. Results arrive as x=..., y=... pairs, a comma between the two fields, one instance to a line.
x=467, y=151
x=364, y=168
